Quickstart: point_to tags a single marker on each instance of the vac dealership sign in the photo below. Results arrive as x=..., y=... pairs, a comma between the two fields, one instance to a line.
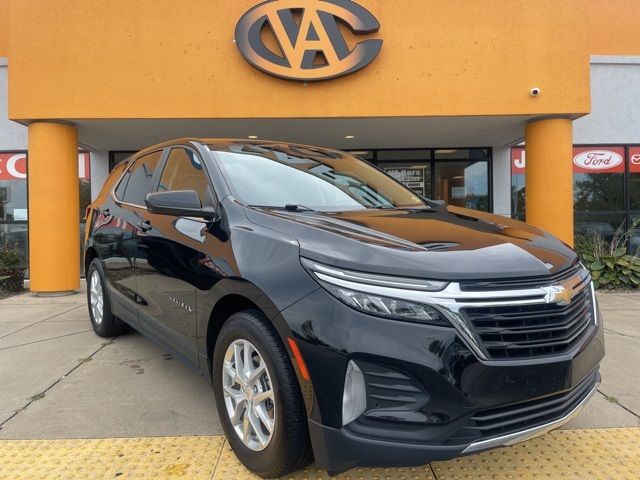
x=302, y=39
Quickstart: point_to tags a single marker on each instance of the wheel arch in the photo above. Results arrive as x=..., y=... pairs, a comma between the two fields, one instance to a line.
x=89, y=254
x=233, y=295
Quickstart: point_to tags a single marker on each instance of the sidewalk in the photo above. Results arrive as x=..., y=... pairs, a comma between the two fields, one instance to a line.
x=61, y=381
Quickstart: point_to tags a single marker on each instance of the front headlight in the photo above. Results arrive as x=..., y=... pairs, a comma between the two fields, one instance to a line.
x=363, y=291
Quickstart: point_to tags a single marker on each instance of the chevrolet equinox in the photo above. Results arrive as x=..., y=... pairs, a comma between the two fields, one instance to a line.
x=338, y=314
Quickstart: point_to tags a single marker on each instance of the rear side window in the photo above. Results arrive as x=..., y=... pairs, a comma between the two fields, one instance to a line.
x=139, y=179
x=113, y=177
x=119, y=191
x=183, y=171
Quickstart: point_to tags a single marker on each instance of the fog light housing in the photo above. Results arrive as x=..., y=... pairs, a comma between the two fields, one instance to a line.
x=354, y=397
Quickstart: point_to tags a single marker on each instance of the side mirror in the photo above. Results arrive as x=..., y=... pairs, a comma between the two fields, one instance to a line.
x=180, y=203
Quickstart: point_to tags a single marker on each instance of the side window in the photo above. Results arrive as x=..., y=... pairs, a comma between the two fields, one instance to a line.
x=140, y=179
x=116, y=172
x=183, y=171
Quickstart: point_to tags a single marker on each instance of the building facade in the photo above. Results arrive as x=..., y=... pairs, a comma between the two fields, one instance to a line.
x=451, y=98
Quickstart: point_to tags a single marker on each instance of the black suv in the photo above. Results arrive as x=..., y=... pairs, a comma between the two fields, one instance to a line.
x=337, y=313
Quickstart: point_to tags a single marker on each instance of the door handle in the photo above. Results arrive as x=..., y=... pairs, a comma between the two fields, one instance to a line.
x=144, y=226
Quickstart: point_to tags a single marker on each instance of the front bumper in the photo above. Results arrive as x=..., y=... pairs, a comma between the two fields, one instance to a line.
x=429, y=396
x=338, y=450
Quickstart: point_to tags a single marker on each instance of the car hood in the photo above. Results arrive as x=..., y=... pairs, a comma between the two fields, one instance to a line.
x=444, y=243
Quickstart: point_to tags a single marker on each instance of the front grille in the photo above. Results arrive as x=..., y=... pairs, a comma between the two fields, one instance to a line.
x=519, y=283
x=525, y=331
x=502, y=420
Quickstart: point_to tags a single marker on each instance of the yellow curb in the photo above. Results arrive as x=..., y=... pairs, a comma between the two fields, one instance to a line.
x=564, y=454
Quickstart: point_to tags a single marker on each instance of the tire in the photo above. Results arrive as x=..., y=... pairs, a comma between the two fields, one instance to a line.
x=106, y=324
x=289, y=446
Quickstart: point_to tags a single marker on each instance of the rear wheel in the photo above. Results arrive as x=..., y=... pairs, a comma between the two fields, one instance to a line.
x=258, y=397
x=104, y=323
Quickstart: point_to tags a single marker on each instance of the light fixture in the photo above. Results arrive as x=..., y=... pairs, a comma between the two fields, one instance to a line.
x=253, y=137
x=349, y=137
x=354, y=396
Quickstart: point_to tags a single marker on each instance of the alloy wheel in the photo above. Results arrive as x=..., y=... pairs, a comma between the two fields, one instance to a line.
x=96, y=298
x=248, y=394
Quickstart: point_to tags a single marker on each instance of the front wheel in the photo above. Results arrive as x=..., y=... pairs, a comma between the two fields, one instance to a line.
x=258, y=397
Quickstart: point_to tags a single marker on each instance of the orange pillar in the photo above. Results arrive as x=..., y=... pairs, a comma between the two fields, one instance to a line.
x=54, y=218
x=549, y=177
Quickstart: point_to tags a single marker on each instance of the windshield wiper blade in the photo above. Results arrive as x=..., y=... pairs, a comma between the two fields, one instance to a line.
x=292, y=207
x=383, y=207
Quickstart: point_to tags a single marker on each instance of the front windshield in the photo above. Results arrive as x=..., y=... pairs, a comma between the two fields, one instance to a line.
x=275, y=175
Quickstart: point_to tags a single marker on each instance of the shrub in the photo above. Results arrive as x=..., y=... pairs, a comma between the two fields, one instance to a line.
x=611, y=265
x=11, y=271
x=9, y=258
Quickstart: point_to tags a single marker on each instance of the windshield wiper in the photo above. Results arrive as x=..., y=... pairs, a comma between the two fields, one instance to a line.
x=292, y=207
x=383, y=207
x=289, y=207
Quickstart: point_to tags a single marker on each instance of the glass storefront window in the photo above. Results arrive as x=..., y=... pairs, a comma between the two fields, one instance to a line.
x=601, y=176
x=402, y=155
x=416, y=176
x=602, y=224
x=598, y=178
x=463, y=184
x=634, y=178
x=634, y=239
x=13, y=199
x=462, y=154
x=517, y=183
x=461, y=180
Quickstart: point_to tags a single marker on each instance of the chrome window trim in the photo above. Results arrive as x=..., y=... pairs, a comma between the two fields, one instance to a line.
x=451, y=300
x=132, y=161
x=121, y=202
x=517, y=437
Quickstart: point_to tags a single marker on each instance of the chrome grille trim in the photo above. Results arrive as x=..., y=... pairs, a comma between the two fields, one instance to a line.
x=451, y=300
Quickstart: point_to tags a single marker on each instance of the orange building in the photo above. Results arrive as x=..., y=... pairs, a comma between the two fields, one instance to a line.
x=436, y=92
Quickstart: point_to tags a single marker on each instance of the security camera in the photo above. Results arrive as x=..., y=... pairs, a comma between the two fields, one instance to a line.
x=535, y=91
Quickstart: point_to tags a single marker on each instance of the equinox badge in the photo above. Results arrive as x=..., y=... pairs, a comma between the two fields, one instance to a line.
x=180, y=303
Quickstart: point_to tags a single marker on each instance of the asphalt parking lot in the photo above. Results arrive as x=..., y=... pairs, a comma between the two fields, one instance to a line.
x=61, y=381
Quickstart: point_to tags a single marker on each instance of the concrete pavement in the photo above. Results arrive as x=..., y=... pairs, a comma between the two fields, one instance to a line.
x=59, y=380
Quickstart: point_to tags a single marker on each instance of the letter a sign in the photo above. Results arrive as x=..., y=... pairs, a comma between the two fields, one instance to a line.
x=302, y=39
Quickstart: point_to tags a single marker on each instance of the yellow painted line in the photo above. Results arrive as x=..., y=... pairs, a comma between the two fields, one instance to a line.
x=565, y=454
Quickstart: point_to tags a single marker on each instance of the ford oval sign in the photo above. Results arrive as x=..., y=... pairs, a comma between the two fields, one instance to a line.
x=597, y=159
x=307, y=41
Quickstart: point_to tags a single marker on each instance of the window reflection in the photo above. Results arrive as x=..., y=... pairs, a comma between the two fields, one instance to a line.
x=598, y=191
x=463, y=184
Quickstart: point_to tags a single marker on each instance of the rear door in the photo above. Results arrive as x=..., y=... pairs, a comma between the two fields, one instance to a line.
x=115, y=232
x=172, y=249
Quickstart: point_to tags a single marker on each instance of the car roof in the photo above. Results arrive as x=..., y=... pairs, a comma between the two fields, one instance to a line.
x=224, y=144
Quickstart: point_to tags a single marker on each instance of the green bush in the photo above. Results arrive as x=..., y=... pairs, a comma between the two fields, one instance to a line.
x=611, y=265
x=9, y=258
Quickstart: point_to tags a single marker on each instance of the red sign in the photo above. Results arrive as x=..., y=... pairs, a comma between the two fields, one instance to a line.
x=517, y=161
x=634, y=159
x=598, y=160
x=13, y=166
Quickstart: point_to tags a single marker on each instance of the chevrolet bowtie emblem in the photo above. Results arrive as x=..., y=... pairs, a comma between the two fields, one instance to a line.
x=558, y=294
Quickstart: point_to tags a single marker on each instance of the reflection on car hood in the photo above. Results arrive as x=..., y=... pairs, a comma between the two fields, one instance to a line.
x=442, y=243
